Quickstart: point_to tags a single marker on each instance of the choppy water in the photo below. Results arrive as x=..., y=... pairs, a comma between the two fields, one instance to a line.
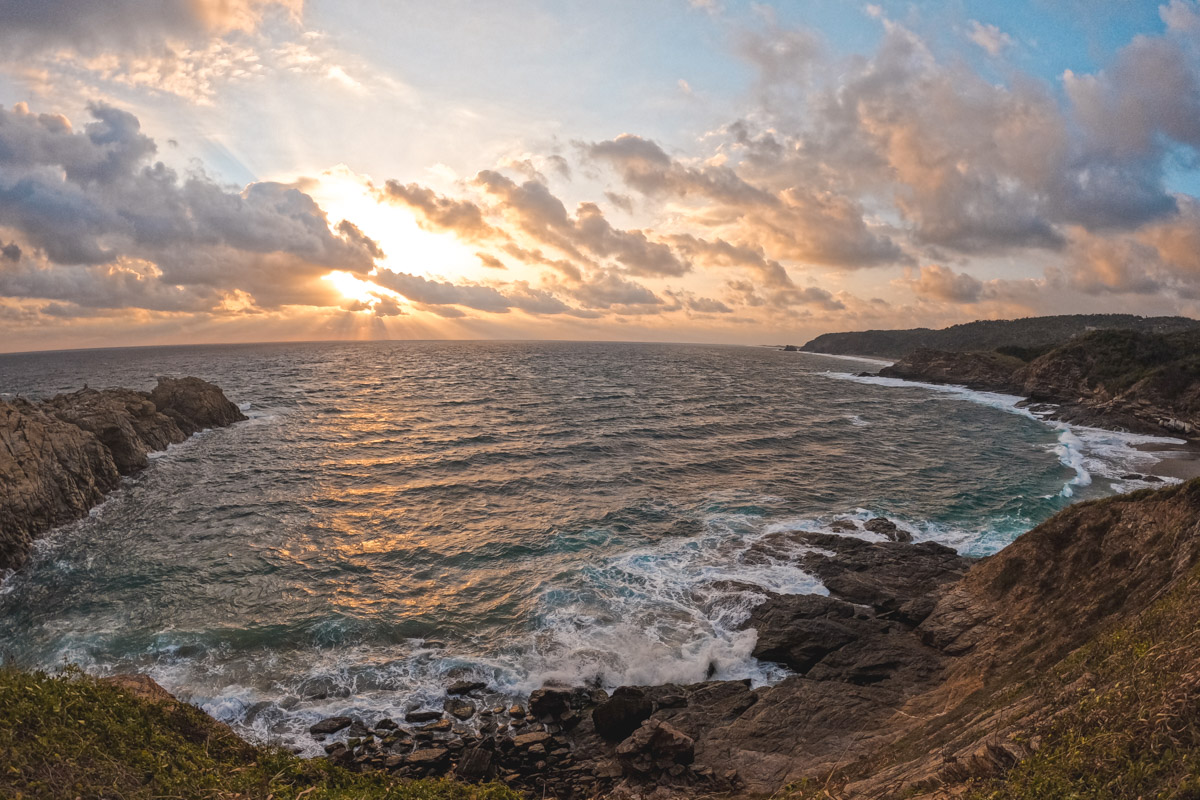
x=398, y=515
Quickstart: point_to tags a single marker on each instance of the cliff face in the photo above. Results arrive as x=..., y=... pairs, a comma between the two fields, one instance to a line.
x=1032, y=334
x=1142, y=382
x=988, y=372
x=60, y=457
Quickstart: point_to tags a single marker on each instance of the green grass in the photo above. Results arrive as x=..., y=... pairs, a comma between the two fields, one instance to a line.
x=1129, y=720
x=71, y=736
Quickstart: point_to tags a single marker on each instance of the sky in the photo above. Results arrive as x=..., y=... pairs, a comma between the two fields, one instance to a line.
x=197, y=171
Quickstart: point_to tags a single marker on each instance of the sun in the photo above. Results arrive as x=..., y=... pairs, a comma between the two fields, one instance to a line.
x=353, y=288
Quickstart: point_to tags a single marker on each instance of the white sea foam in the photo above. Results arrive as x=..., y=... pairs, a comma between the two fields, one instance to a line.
x=667, y=613
x=1085, y=450
x=863, y=359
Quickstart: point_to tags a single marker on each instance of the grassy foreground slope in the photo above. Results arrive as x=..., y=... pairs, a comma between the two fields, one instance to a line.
x=73, y=736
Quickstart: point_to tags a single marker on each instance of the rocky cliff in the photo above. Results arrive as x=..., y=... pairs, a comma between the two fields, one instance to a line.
x=58, y=458
x=1121, y=379
x=1033, y=335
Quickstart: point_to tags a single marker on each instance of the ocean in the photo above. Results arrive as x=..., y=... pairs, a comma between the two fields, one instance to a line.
x=395, y=516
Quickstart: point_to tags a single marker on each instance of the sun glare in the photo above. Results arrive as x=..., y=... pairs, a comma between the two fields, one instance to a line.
x=407, y=248
x=353, y=288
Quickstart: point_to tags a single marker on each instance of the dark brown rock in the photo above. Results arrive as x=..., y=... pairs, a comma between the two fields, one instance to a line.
x=330, y=725
x=465, y=687
x=622, y=713
x=194, y=404
x=51, y=472
x=656, y=745
x=422, y=716
x=475, y=765
x=462, y=709
x=59, y=458
x=548, y=704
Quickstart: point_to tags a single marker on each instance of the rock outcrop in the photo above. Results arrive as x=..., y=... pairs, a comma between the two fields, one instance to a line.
x=60, y=457
x=1032, y=335
x=1142, y=382
x=917, y=675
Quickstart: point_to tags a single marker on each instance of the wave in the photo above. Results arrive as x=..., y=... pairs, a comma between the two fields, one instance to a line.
x=1084, y=450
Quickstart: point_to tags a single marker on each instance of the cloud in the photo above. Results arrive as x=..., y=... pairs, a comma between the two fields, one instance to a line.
x=94, y=208
x=940, y=283
x=543, y=216
x=91, y=27
x=434, y=294
x=439, y=213
x=816, y=226
x=989, y=37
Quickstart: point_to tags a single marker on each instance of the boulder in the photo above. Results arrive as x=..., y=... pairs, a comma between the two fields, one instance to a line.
x=526, y=740
x=621, y=714
x=655, y=746
x=462, y=709
x=422, y=716
x=330, y=725
x=194, y=404
x=475, y=764
x=465, y=687
x=885, y=527
x=548, y=704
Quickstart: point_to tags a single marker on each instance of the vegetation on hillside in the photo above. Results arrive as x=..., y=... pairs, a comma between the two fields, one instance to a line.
x=1033, y=335
x=1128, y=714
x=72, y=736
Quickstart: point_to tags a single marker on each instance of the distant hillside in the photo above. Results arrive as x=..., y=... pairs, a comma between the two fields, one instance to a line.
x=1032, y=335
x=1109, y=378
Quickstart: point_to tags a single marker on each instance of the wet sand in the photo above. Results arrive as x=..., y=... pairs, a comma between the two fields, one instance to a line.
x=1180, y=461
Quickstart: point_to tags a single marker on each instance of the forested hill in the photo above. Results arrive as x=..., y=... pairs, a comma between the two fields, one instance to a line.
x=1031, y=333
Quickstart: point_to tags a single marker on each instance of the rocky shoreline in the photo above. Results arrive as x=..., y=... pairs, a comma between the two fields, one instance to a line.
x=857, y=657
x=910, y=679
x=1058, y=387
x=60, y=457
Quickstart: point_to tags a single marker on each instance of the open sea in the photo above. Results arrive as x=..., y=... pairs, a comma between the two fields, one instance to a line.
x=398, y=515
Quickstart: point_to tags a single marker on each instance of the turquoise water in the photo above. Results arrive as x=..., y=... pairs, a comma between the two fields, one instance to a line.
x=397, y=515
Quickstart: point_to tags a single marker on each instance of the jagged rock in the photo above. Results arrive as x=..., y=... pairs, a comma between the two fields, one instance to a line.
x=462, y=709
x=885, y=527
x=655, y=745
x=59, y=458
x=386, y=724
x=51, y=472
x=475, y=765
x=125, y=421
x=900, y=581
x=530, y=739
x=441, y=726
x=426, y=759
x=465, y=687
x=422, y=716
x=622, y=713
x=548, y=704
x=330, y=725
x=194, y=404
